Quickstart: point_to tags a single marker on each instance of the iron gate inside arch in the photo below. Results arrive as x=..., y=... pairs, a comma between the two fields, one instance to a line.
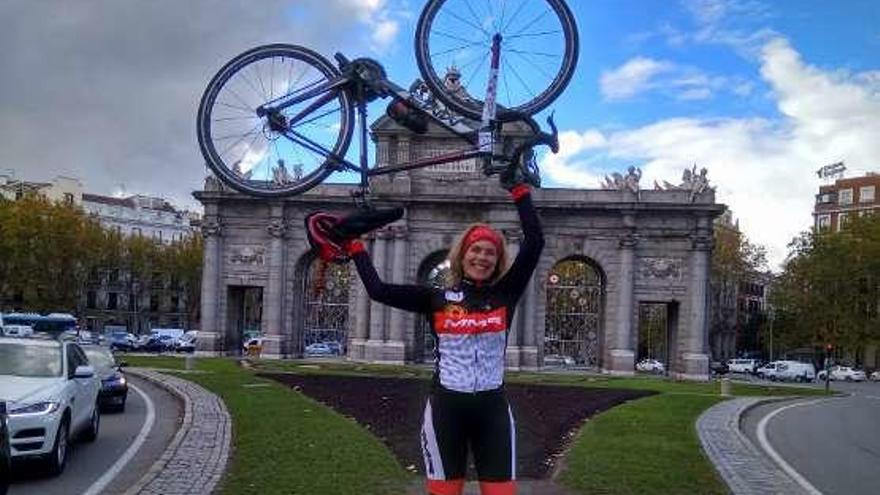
x=434, y=276
x=325, y=315
x=574, y=304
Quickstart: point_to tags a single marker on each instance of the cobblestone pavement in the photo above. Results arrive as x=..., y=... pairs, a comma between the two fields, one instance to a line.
x=195, y=459
x=742, y=464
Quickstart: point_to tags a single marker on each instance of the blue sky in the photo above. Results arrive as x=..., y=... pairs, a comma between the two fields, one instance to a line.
x=761, y=93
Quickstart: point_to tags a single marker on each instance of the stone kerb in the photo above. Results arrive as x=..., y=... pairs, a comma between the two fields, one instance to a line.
x=195, y=460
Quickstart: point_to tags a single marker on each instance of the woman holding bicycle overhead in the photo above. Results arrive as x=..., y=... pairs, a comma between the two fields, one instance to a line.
x=470, y=320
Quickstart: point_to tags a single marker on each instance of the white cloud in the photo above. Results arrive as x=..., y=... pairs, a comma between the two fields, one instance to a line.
x=763, y=169
x=631, y=78
x=377, y=16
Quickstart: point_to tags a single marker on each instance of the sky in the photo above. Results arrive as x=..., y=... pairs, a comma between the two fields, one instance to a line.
x=761, y=94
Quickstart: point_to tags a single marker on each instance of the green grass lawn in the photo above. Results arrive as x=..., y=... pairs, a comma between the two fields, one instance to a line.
x=287, y=443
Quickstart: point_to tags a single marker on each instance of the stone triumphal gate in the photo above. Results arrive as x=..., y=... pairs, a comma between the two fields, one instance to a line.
x=610, y=254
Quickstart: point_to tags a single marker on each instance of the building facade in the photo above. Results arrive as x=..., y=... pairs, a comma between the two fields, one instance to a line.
x=112, y=296
x=845, y=198
x=608, y=253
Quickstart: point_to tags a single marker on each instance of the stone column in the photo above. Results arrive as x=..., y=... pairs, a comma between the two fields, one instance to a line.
x=373, y=346
x=361, y=329
x=514, y=345
x=622, y=354
x=210, y=341
x=273, y=299
x=695, y=360
x=528, y=353
x=395, y=347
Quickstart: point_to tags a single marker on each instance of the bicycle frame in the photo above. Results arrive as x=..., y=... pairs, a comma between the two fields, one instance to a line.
x=364, y=79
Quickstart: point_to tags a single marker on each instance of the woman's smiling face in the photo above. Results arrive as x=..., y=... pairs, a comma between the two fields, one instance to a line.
x=479, y=261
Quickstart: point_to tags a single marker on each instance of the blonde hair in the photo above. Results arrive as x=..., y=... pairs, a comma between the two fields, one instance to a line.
x=456, y=271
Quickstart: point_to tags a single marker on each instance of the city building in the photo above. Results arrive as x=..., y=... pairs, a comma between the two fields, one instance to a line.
x=844, y=198
x=112, y=296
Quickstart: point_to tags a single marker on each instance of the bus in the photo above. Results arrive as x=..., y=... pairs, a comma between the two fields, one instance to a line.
x=53, y=323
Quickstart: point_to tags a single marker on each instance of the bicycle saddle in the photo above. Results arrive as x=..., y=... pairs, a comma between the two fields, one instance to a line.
x=328, y=233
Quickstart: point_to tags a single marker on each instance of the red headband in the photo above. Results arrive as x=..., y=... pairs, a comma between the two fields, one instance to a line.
x=483, y=233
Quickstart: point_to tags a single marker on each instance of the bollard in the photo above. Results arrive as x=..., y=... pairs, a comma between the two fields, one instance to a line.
x=189, y=362
x=725, y=387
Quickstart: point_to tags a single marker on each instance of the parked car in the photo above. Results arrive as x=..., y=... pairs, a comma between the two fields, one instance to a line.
x=795, y=371
x=558, y=360
x=52, y=396
x=843, y=373
x=743, y=365
x=186, y=343
x=650, y=365
x=114, y=386
x=158, y=343
x=769, y=371
x=319, y=349
x=122, y=341
x=875, y=376
x=718, y=368
x=18, y=330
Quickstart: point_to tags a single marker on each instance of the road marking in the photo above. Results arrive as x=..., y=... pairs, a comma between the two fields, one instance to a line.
x=114, y=470
x=765, y=444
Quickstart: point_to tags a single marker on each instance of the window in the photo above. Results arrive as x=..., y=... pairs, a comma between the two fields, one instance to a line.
x=823, y=221
x=841, y=221
x=114, y=275
x=866, y=194
x=91, y=299
x=175, y=303
x=131, y=301
x=111, y=300
x=845, y=197
x=825, y=198
x=68, y=198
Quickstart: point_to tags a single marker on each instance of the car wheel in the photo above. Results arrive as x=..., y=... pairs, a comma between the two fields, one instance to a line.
x=91, y=432
x=849, y=378
x=57, y=458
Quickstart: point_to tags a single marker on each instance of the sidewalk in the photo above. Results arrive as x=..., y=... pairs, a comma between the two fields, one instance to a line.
x=742, y=465
x=196, y=458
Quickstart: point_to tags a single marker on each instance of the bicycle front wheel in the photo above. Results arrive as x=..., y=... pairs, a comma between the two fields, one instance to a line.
x=539, y=52
x=266, y=127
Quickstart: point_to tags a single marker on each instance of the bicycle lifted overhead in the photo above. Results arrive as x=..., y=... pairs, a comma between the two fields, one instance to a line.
x=277, y=120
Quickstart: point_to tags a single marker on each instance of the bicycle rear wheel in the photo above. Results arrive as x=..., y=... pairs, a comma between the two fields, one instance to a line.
x=273, y=153
x=539, y=52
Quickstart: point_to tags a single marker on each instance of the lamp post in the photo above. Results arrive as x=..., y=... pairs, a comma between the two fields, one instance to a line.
x=771, y=315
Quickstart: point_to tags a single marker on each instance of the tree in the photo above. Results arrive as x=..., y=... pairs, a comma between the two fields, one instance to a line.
x=830, y=287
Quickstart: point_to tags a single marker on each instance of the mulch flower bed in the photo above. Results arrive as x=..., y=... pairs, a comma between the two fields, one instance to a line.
x=546, y=416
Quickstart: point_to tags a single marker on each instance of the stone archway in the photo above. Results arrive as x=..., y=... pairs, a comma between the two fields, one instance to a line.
x=325, y=309
x=572, y=331
x=432, y=272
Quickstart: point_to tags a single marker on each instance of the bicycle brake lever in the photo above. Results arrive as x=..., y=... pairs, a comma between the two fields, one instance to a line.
x=553, y=136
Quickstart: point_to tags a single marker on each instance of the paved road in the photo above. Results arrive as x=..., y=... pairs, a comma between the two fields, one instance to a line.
x=834, y=444
x=88, y=463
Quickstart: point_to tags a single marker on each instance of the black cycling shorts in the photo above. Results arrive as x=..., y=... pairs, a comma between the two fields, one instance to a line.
x=455, y=420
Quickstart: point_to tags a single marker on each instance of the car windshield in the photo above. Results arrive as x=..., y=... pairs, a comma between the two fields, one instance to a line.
x=100, y=358
x=36, y=361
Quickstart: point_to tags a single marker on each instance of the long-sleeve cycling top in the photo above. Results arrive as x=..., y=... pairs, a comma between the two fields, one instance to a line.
x=470, y=322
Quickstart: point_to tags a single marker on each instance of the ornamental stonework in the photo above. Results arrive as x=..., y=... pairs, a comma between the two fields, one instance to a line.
x=661, y=269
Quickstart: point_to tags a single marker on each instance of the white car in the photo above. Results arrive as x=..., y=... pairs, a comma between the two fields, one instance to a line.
x=844, y=373
x=18, y=330
x=651, y=366
x=770, y=370
x=795, y=371
x=558, y=360
x=875, y=376
x=742, y=365
x=51, y=394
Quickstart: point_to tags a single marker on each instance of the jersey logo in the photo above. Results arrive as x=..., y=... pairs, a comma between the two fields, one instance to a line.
x=454, y=296
x=454, y=319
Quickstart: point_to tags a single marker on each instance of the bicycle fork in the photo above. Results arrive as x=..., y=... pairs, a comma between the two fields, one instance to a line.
x=486, y=136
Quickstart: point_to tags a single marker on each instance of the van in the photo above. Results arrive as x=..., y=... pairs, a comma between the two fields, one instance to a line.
x=17, y=331
x=796, y=371
x=742, y=365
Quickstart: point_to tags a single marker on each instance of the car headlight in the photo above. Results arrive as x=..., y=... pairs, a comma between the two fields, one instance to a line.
x=35, y=409
x=115, y=380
